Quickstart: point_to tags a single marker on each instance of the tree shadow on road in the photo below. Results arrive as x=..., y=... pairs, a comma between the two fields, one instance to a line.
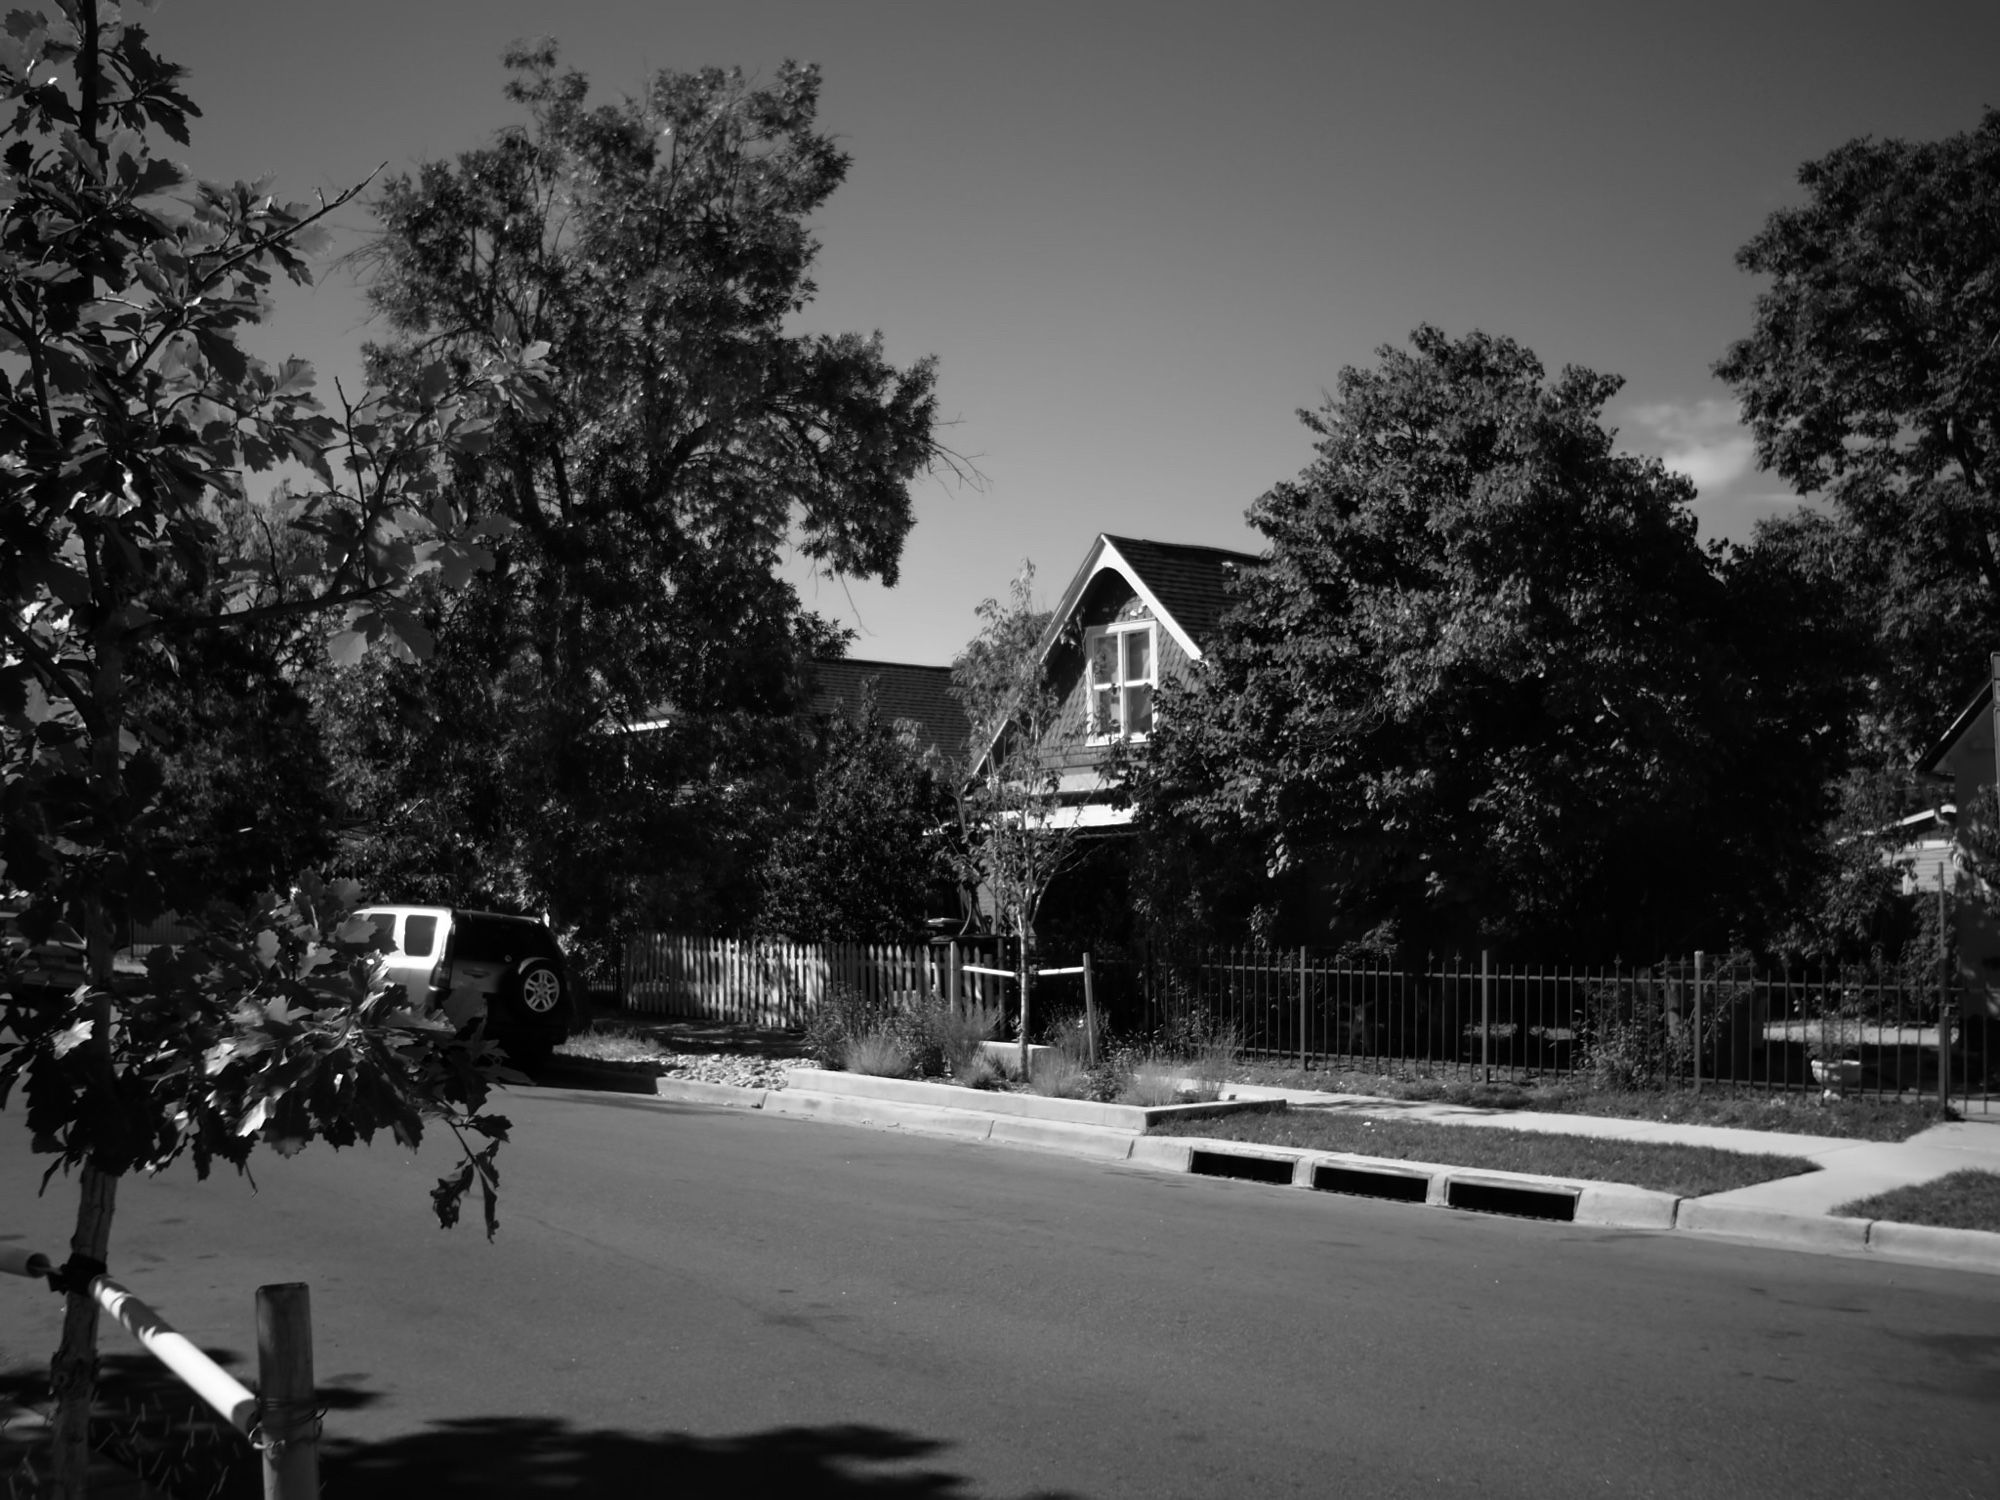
x=507, y=1457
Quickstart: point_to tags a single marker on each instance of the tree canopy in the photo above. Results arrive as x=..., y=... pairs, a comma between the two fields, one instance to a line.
x=659, y=246
x=1486, y=683
x=1872, y=377
x=868, y=857
x=132, y=418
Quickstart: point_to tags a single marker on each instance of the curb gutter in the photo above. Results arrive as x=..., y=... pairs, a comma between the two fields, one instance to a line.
x=1604, y=1205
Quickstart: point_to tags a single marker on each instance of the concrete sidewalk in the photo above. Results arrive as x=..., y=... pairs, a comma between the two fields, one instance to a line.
x=1795, y=1210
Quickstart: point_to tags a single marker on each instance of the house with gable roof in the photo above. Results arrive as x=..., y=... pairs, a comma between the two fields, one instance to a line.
x=1137, y=615
x=1967, y=755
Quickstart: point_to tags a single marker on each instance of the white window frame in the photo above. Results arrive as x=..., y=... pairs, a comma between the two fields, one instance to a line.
x=1100, y=734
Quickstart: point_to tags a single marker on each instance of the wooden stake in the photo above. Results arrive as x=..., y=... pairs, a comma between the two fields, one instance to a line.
x=1089, y=1014
x=287, y=1406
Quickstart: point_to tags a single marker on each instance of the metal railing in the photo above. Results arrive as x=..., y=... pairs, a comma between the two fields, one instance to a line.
x=1681, y=1023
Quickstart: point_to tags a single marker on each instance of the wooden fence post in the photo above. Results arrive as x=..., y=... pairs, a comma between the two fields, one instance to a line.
x=288, y=1410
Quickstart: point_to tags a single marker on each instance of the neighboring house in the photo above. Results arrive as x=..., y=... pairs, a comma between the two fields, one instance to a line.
x=1966, y=754
x=1137, y=615
x=919, y=697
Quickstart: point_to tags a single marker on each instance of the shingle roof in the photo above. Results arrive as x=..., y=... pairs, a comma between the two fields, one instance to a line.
x=1188, y=581
x=921, y=695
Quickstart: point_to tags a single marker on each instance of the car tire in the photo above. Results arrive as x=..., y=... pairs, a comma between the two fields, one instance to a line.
x=539, y=987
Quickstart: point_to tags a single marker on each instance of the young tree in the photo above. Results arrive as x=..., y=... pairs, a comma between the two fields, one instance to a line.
x=659, y=245
x=1016, y=833
x=870, y=852
x=131, y=416
x=1483, y=687
x=1870, y=377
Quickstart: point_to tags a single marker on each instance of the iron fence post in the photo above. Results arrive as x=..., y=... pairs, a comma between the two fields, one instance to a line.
x=1944, y=1000
x=1486, y=1012
x=1302, y=1008
x=1699, y=959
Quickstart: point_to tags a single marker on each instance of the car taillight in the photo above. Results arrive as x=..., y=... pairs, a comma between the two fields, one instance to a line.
x=438, y=971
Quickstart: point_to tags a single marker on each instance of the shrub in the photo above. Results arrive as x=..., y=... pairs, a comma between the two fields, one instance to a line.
x=977, y=1071
x=1057, y=1075
x=879, y=1054
x=1154, y=1081
x=842, y=1014
x=956, y=1035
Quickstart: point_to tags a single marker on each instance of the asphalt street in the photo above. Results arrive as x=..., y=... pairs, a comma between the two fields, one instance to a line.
x=694, y=1302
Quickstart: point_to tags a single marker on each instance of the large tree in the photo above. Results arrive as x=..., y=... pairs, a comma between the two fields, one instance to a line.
x=1872, y=377
x=871, y=851
x=659, y=246
x=1485, y=686
x=131, y=419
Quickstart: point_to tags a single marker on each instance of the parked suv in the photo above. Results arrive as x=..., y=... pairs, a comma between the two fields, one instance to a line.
x=471, y=965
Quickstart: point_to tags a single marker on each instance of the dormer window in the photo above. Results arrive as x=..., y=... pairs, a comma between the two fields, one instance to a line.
x=1124, y=670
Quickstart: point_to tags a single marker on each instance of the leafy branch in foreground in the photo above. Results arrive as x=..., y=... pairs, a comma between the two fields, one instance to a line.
x=271, y=1027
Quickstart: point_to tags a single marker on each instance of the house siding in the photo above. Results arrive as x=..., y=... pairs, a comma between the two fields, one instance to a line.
x=1110, y=598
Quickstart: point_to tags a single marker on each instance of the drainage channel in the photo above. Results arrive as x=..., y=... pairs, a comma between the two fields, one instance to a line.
x=1558, y=1204
x=1360, y=1182
x=1242, y=1168
x=1521, y=1202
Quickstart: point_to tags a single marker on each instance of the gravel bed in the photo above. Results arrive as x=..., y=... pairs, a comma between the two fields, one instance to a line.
x=745, y=1070
x=749, y=1070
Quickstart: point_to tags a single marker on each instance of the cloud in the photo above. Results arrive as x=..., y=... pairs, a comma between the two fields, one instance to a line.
x=1701, y=439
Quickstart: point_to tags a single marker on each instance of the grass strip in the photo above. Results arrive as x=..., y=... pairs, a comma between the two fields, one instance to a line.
x=1688, y=1171
x=1961, y=1200
x=1794, y=1113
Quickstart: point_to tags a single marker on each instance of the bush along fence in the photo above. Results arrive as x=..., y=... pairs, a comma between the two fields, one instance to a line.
x=775, y=983
x=1686, y=1023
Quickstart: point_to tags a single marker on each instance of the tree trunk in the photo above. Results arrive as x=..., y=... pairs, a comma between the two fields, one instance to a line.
x=1027, y=987
x=73, y=1372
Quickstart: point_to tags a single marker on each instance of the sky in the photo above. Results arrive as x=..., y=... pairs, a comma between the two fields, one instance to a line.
x=1140, y=237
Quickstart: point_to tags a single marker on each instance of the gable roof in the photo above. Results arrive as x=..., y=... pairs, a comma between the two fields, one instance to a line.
x=1185, y=586
x=1972, y=730
x=921, y=695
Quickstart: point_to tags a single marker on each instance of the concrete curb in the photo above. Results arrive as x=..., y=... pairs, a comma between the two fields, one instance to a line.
x=1772, y=1227
x=1963, y=1249
x=728, y=1095
x=1600, y=1205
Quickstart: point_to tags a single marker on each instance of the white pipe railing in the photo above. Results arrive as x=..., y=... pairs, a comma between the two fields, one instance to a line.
x=202, y=1375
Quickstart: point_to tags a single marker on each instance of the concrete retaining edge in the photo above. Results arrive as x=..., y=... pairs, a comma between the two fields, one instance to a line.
x=1131, y=1118
x=691, y=1091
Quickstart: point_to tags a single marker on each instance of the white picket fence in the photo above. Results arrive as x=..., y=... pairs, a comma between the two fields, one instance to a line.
x=774, y=983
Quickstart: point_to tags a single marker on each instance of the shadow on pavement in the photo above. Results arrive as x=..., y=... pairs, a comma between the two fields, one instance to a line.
x=147, y=1424
x=531, y=1456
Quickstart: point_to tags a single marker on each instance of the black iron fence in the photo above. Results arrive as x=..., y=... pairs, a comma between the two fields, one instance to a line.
x=1687, y=1022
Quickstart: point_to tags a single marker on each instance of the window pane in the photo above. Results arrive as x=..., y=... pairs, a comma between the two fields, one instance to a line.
x=1104, y=711
x=420, y=936
x=1139, y=710
x=1103, y=660
x=384, y=924
x=1138, y=655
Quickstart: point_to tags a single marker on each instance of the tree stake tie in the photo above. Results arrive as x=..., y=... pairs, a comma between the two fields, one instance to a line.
x=286, y=1416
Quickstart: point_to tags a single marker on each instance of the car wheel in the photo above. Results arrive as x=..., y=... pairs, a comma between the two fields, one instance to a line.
x=540, y=988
